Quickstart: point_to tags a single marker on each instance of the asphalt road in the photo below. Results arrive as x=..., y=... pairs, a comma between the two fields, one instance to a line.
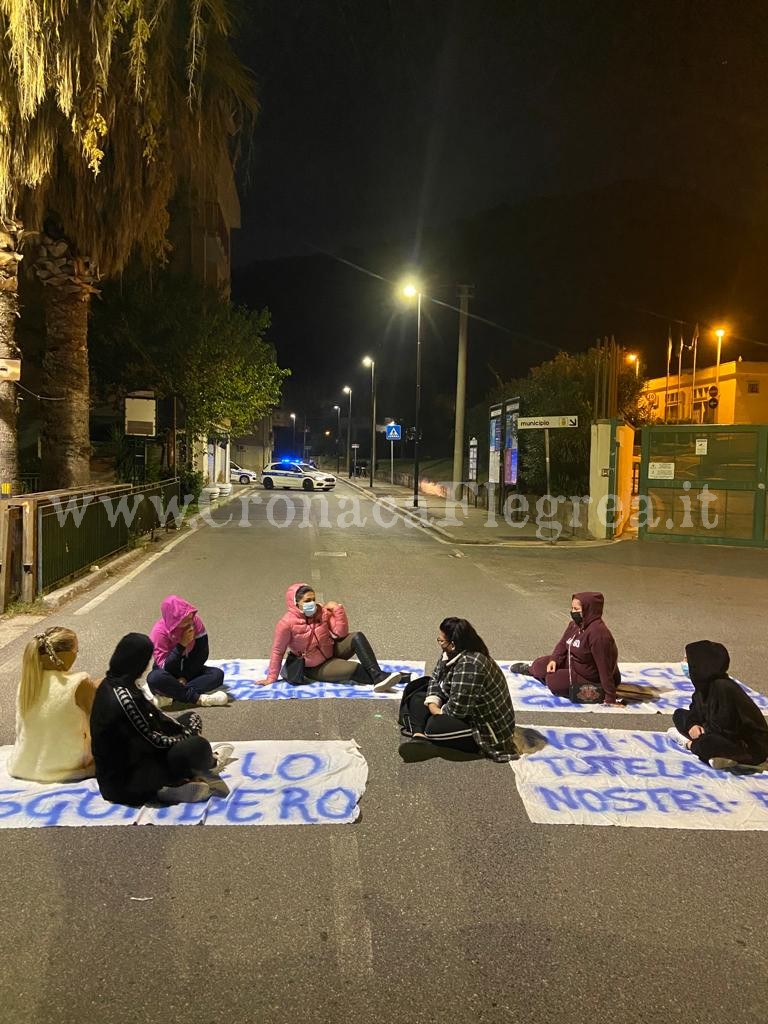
x=444, y=903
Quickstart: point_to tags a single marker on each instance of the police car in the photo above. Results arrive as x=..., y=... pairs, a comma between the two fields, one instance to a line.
x=292, y=473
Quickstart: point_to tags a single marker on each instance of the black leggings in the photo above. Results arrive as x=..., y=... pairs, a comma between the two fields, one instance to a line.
x=160, y=681
x=445, y=730
x=712, y=744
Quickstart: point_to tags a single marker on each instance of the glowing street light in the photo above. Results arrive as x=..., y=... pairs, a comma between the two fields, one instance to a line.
x=293, y=447
x=348, y=391
x=410, y=290
x=634, y=359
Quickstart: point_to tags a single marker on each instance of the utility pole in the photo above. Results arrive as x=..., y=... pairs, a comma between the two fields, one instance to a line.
x=466, y=292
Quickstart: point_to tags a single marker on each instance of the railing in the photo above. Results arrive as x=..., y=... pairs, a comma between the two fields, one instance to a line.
x=76, y=532
x=54, y=536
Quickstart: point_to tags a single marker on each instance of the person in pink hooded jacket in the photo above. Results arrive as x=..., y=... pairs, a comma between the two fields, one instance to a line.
x=318, y=645
x=180, y=643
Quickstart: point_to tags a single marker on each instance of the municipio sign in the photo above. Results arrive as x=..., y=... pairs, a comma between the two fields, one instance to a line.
x=546, y=422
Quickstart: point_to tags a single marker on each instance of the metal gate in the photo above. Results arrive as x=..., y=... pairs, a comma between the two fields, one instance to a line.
x=704, y=484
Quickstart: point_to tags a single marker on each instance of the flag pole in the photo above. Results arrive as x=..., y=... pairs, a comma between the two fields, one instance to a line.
x=669, y=360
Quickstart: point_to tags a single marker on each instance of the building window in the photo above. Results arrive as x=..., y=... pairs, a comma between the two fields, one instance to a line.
x=753, y=387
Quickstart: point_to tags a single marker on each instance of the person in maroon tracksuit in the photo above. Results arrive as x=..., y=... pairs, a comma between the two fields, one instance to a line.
x=585, y=661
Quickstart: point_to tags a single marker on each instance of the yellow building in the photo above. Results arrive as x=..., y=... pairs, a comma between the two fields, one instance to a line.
x=740, y=389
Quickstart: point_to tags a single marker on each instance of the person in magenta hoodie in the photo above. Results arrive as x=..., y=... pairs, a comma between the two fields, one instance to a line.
x=584, y=664
x=180, y=643
x=317, y=646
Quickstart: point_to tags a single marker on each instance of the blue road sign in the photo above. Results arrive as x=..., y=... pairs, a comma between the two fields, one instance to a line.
x=393, y=431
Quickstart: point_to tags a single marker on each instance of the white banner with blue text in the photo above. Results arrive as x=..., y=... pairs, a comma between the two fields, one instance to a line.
x=242, y=678
x=658, y=689
x=634, y=779
x=270, y=782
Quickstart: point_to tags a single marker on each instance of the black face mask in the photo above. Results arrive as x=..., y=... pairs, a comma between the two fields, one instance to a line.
x=577, y=618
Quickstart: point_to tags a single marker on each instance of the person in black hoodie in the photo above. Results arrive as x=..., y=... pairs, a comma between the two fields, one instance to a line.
x=140, y=753
x=723, y=726
x=585, y=662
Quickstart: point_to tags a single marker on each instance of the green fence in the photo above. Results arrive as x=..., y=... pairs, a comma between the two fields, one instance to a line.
x=77, y=532
x=704, y=484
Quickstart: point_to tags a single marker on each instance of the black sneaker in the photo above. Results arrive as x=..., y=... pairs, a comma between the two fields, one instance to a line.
x=417, y=749
x=520, y=668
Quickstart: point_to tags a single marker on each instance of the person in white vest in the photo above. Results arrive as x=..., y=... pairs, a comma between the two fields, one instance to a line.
x=53, y=707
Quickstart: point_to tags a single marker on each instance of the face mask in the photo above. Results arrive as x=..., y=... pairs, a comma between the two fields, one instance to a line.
x=309, y=608
x=577, y=618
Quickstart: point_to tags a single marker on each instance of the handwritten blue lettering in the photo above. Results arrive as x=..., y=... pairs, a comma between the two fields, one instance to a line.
x=294, y=798
x=297, y=767
x=337, y=803
x=243, y=805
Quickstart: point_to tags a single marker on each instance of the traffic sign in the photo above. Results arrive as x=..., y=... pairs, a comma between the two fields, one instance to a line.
x=546, y=422
x=355, y=446
x=393, y=431
x=713, y=391
x=713, y=403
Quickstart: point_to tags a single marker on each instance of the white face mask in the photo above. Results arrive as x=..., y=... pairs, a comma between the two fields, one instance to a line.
x=309, y=608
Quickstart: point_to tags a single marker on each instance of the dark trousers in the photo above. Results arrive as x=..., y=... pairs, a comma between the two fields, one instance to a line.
x=160, y=681
x=559, y=681
x=445, y=730
x=183, y=761
x=712, y=744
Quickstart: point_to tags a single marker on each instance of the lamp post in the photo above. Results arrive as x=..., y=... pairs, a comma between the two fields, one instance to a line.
x=338, y=436
x=635, y=360
x=348, y=391
x=372, y=468
x=293, y=445
x=719, y=334
x=411, y=290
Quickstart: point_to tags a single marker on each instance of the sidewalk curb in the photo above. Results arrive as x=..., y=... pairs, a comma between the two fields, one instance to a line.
x=511, y=543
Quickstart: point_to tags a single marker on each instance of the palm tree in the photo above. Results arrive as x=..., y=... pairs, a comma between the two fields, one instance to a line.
x=161, y=95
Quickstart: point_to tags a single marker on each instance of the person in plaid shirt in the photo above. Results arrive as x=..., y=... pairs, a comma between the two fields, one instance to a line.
x=465, y=705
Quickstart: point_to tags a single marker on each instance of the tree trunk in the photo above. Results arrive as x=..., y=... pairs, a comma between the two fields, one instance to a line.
x=10, y=232
x=66, y=439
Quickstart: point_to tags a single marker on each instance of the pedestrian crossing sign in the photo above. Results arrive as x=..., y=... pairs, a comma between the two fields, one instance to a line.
x=393, y=431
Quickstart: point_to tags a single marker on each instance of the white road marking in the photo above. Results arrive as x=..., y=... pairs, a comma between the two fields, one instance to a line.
x=94, y=602
x=329, y=554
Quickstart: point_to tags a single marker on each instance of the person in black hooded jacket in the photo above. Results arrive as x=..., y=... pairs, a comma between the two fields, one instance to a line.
x=723, y=726
x=140, y=753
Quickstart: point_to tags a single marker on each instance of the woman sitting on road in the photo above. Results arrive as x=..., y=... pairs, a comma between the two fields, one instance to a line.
x=723, y=726
x=584, y=665
x=142, y=754
x=53, y=705
x=318, y=645
x=180, y=652
x=465, y=705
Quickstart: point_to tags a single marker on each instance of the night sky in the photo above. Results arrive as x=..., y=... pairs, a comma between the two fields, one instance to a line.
x=397, y=132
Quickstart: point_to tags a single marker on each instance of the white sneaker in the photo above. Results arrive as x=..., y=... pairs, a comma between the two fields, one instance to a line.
x=161, y=701
x=217, y=699
x=389, y=682
x=188, y=793
x=678, y=738
x=721, y=763
x=223, y=752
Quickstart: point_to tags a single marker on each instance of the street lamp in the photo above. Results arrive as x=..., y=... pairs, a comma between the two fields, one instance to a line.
x=410, y=290
x=293, y=446
x=348, y=391
x=338, y=435
x=719, y=334
x=367, y=361
x=635, y=359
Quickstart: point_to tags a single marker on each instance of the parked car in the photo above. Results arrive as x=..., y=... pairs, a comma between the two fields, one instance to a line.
x=289, y=473
x=238, y=475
